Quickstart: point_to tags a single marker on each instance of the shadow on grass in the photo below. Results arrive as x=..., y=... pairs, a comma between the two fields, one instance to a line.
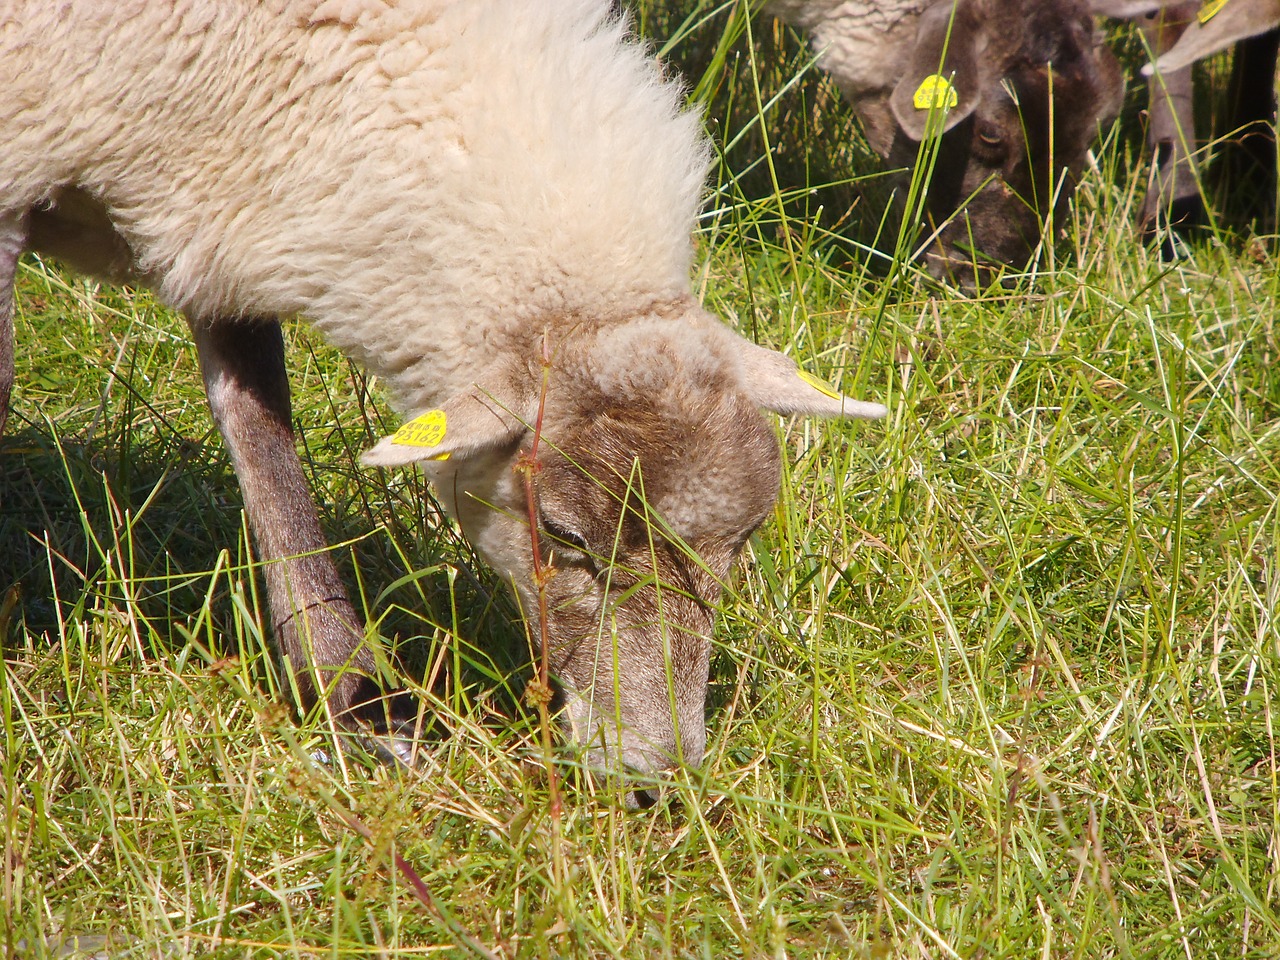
x=142, y=526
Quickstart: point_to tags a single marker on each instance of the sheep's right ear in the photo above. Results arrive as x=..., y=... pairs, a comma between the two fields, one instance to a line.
x=943, y=85
x=459, y=428
x=775, y=383
x=1219, y=24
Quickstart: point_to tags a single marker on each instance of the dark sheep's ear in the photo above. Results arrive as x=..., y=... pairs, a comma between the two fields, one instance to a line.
x=1218, y=24
x=943, y=85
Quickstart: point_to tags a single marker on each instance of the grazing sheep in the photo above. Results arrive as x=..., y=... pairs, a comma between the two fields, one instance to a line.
x=1179, y=34
x=1029, y=83
x=1216, y=25
x=450, y=190
x=1173, y=197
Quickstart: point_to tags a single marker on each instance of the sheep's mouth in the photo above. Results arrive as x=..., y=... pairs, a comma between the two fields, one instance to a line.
x=641, y=789
x=965, y=269
x=967, y=266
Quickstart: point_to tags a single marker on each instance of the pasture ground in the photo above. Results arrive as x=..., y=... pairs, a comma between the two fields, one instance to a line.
x=999, y=679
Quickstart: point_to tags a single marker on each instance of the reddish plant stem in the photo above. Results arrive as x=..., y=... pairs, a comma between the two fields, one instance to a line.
x=411, y=876
x=528, y=466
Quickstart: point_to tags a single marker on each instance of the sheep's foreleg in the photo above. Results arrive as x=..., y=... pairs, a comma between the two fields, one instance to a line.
x=1248, y=160
x=12, y=239
x=1174, y=197
x=315, y=626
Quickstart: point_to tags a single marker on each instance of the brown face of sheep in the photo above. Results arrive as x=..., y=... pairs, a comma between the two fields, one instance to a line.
x=643, y=515
x=654, y=465
x=1031, y=84
x=642, y=507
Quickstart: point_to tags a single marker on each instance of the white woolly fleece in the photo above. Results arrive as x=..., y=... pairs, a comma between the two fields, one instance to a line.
x=422, y=180
x=865, y=46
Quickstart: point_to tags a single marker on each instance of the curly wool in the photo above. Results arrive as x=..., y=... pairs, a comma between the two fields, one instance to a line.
x=422, y=180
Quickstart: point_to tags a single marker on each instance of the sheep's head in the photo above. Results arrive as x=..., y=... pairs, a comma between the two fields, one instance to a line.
x=1010, y=93
x=654, y=466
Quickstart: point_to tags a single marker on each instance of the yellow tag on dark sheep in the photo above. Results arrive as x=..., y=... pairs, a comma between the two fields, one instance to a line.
x=1209, y=10
x=936, y=93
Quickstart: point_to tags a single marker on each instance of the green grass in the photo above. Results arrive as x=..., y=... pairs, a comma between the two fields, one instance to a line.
x=997, y=680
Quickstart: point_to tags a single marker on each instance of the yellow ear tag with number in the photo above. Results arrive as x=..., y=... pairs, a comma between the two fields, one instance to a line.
x=425, y=431
x=936, y=93
x=818, y=384
x=1210, y=9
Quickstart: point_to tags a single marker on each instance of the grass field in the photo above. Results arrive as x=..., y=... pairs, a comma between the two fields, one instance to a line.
x=998, y=679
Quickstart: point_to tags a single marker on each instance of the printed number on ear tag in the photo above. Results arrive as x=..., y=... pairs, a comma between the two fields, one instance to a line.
x=819, y=384
x=1210, y=9
x=427, y=430
x=936, y=93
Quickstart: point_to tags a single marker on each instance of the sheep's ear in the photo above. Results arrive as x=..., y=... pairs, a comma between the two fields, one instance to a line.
x=943, y=85
x=460, y=428
x=1217, y=25
x=775, y=383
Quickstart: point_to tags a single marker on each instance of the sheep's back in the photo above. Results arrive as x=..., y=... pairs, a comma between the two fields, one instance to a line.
x=864, y=45
x=406, y=176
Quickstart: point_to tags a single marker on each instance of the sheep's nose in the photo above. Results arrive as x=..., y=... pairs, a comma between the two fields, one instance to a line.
x=645, y=799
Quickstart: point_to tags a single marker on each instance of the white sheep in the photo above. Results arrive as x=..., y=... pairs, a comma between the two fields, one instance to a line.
x=451, y=190
x=1023, y=83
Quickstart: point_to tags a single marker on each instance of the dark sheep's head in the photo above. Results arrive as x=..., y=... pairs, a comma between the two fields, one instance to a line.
x=1003, y=98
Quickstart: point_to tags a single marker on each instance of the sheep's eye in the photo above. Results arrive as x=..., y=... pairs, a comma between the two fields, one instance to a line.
x=988, y=145
x=564, y=536
x=990, y=136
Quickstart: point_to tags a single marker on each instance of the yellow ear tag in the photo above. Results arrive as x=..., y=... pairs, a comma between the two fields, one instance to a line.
x=425, y=431
x=935, y=92
x=1210, y=9
x=818, y=384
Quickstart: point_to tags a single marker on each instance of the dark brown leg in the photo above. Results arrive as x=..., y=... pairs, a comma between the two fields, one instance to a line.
x=319, y=635
x=1174, y=200
x=12, y=241
x=1247, y=169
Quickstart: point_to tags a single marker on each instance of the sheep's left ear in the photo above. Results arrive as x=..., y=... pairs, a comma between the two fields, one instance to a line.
x=775, y=383
x=943, y=85
x=1217, y=25
x=459, y=428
